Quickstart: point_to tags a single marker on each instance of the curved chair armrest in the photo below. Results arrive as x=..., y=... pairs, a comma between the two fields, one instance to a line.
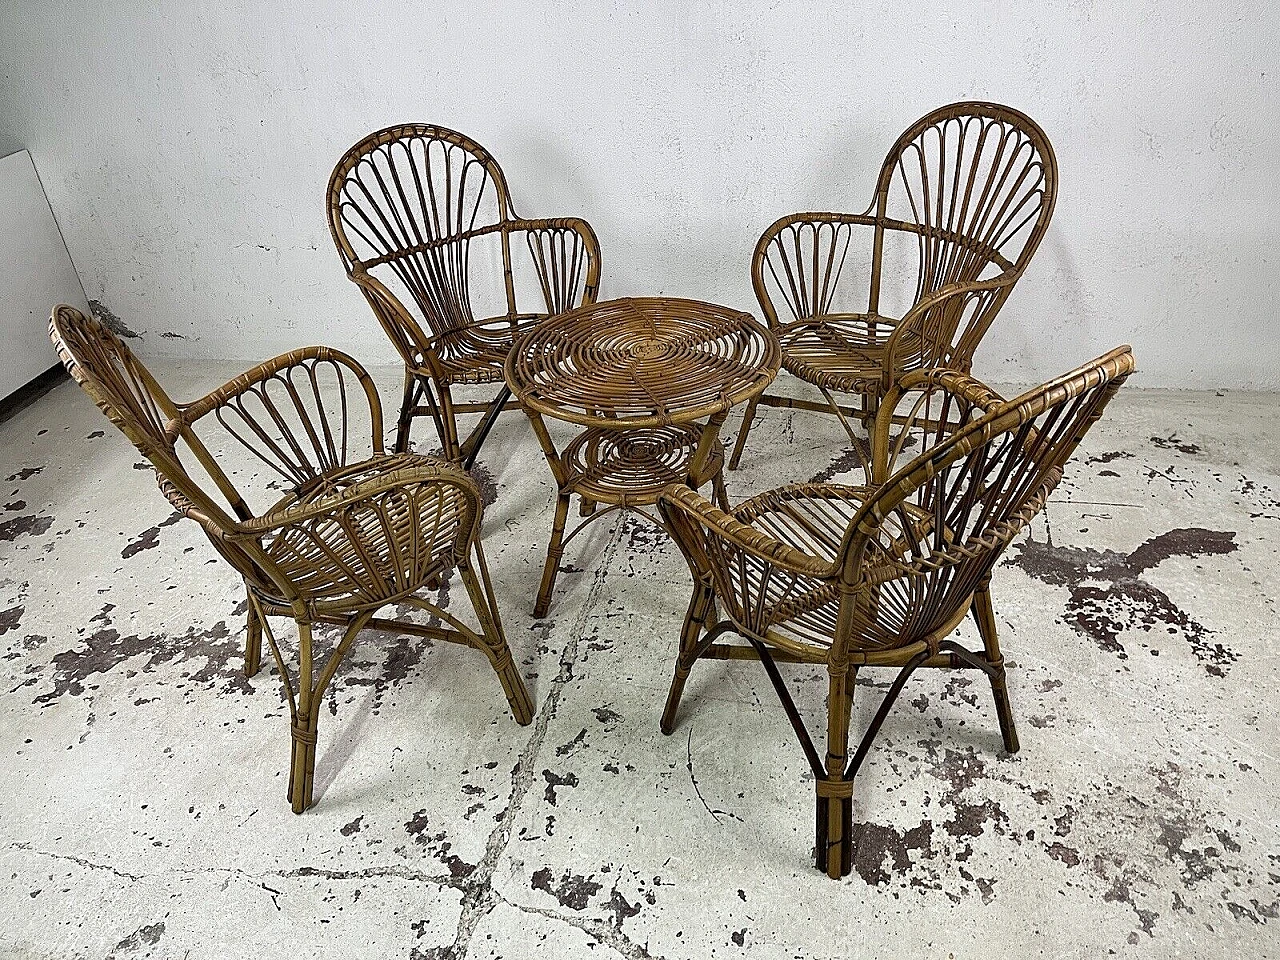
x=802, y=257
x=216, y=526
x=953, y=381
x=921, y=409
x=576, y=224
x=944, y=327
x=379, y=538
x=566, y=256
x=688, y=511
x=410, y=340
x=865, y=219
x=280, y=413
x=367, y=491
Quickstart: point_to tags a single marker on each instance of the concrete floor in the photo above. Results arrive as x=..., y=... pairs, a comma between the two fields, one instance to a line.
x=143, y=811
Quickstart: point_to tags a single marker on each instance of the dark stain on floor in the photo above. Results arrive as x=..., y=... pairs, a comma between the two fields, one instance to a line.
x=851, y=459
x=1108, y=595
x=11, y=619
x=571, y=890
x=215, y=652
x=483, y=477
x=403, y=654
x=555, y=780
x=437, y=845
x=28, y=525
x=145, y=936
x=1148, y=830
x=1110, y=456
x=1171, y=442
x=148, y=538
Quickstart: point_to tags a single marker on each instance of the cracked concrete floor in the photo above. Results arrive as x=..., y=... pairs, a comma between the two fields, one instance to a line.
x=143, y=812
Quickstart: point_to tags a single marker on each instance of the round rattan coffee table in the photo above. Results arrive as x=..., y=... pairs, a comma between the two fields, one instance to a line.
x=651, y=380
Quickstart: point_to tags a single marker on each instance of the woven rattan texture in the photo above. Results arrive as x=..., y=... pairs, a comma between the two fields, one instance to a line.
x=410, y=207
x=640, y=362
x=971, y=186
x=351, y=536
x=633, y=466
x=881, y=574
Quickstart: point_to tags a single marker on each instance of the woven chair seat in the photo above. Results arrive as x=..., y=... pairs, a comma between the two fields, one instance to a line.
x=813, y=518
x=476, y=354
x=882, y=575
x=843, y=352
x=356, y=556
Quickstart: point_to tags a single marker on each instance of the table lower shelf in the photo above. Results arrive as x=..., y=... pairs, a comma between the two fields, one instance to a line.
x=630, y=467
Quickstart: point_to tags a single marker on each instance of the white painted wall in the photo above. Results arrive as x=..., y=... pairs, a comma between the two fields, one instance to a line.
x=185, y=149
x=35, y=271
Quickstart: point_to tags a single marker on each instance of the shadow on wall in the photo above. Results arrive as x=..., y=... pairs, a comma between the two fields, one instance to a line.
x=1032, y=329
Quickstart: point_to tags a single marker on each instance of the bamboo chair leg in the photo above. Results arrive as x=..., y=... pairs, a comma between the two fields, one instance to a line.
x=833, y=847
x=719, y=492
x=555, y=548
x=252, y=642
x=862, y=447
x=495, y=641
x=870, y=408
x=471, y=448
x=701, y=605
x=302, y=760
x=306, y=709
x=407, y=404
x=985, y=615
x=449, y=444
x=747, y=417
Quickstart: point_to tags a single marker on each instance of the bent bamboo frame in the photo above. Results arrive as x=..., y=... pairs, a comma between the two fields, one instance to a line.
x=974, y=185
x=405, y=206
x=880, y=575
x=351, y=537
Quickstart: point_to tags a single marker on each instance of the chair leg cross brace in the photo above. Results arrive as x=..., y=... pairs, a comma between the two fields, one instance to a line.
x=418, y=390
x=471, y=446
x=833, y=846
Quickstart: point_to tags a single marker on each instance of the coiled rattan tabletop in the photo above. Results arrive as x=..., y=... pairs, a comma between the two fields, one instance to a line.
x=642, y=362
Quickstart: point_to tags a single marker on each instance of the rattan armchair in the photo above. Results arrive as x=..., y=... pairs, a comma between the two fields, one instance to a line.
x=966, y=192
x=409, y=208
x=350, y=536
x=881, y=575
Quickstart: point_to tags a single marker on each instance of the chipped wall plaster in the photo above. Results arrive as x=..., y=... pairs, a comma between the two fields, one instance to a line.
x=186, y=153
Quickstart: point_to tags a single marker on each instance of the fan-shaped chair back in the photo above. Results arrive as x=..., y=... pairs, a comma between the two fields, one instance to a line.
x=408, y=202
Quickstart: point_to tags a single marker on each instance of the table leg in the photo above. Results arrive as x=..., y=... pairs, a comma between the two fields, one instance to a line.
x=698, y=463
x=555, y=550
